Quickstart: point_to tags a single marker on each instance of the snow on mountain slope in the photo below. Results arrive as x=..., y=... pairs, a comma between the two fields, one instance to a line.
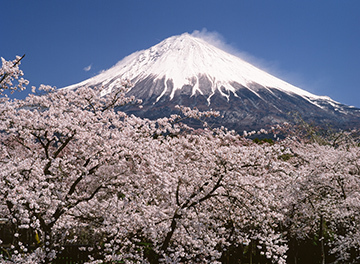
x=182, y=59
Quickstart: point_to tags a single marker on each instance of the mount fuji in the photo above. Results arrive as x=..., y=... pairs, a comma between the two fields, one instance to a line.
x=187, y=70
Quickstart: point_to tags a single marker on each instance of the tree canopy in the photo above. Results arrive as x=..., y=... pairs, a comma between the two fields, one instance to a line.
x=132, y=190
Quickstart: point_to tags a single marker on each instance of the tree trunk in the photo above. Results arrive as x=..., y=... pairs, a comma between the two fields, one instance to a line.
x=251, y=252
x=171, y=232
x=321, y=238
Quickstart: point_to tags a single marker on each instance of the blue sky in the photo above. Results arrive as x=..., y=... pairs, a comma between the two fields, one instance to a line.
x=314, y=45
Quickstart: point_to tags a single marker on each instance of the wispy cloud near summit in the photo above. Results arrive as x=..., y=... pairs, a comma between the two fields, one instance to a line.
x=217, y=40
x=87, y=68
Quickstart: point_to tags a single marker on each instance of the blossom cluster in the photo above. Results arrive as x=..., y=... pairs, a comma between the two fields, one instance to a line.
x=9, y=72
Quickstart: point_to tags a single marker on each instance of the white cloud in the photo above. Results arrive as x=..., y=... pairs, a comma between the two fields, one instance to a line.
x=217, y=40
x=88, y=68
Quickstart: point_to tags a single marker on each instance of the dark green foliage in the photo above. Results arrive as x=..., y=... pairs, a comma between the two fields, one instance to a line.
x=263, y=140
x=286, y=157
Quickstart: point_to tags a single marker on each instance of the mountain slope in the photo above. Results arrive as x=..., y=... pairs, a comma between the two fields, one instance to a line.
x=189, y=71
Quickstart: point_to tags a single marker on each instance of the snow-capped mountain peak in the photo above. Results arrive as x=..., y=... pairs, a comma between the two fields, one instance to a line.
x=189, y=71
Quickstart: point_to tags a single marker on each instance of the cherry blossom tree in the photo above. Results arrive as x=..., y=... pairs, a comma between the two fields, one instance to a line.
x=320, y=205
x=55, y=149
x=10, y=72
